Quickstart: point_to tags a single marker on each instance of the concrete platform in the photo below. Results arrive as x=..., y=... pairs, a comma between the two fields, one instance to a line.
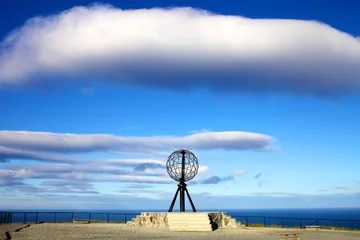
x=184, y=221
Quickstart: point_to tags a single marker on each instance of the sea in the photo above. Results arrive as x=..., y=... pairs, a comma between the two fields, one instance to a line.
x=337, y=217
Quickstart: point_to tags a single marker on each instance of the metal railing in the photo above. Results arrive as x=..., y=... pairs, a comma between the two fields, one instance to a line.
x=58, y=217
x=287, y=222
x=5, y=217
x=259, y=221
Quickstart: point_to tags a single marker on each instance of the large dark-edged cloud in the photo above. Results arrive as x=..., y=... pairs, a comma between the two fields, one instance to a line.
x=181, y=48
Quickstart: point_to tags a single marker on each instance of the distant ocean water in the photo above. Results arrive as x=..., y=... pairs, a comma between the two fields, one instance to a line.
x=345, y=217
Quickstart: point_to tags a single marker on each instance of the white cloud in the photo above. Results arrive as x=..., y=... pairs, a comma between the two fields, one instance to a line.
x=203, y=169
x=239, y=172
x=10, y=153
x=76, y=143
x=181, y=48
x=61, y=168
x=134, y=162
x=134, y=179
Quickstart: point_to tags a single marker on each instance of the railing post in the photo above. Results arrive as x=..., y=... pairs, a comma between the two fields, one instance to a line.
x=1, y=217
x=107, y=217
x=25, y=217
x=37, y=217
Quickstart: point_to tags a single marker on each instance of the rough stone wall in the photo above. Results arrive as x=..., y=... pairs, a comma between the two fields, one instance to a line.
x=149, y=219
x=221, y=220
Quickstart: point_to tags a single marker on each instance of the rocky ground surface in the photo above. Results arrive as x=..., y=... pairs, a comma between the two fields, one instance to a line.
x=62, y=231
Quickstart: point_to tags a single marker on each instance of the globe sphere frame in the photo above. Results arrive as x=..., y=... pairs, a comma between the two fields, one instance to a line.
x=177, y=171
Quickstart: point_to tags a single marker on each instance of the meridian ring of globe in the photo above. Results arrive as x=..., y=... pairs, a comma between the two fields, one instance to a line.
x=174, y=164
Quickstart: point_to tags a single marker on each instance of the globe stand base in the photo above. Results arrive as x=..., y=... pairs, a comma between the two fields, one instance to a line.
x=183, y=190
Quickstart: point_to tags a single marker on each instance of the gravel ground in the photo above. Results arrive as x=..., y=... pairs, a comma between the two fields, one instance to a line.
x=65, y=231
x=7, y=229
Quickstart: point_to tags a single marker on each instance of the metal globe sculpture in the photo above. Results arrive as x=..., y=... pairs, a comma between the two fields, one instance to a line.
x=175, y=169
x=182, y=166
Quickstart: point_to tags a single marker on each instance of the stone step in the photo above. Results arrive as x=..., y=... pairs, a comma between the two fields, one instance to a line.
x=192, y=221
x=206, y=222
x=187, y=229
x=188, y=218
x=198, y=223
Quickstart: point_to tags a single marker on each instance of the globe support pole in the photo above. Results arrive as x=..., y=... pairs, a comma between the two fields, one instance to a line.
x=182, y=189
x=191, y=202
x=182, y=184
x=174, y=200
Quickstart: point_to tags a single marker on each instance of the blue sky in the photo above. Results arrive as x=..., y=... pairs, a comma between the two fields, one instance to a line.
x=94, y=97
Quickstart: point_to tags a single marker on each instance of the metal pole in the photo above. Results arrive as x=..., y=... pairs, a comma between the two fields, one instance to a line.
x=182, y=183
x=173, y=201
x=191, y=202
x=182, y=199
x=183, y=166
x=1, y=217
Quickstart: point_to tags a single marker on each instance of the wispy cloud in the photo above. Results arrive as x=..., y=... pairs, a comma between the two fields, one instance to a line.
x=181, y=48
x=89, y=90
x=7, y=153
x=138, y=185
x=258, y=176
x=239, y=172
x=216, y=179
x=77, y=143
